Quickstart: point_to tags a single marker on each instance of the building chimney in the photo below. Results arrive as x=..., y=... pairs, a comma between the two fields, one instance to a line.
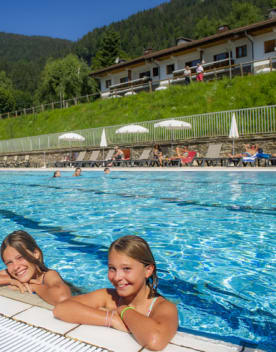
x=182, y=40
x=148, y=51
x=118, y=60
x=272, y=13
x=223, y=28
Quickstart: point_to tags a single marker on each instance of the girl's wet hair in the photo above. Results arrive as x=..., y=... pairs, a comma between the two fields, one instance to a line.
x=23, y=242
x=137, y=248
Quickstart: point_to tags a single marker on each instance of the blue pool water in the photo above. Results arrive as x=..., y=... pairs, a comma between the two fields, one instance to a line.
x=212, y=234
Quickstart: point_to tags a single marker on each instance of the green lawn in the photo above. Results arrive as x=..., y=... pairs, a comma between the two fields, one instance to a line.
x=238, y=93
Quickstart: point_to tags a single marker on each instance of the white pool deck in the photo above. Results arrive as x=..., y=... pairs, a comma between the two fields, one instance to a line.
x=31, y=311
x=150, y=169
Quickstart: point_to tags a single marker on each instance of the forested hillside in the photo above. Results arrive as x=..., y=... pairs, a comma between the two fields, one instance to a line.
x=159, y=27
x=36, y=70
x=23, y=57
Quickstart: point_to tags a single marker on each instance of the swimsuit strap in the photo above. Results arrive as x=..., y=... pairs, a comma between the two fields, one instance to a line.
x=43, y=277
x=151, y=306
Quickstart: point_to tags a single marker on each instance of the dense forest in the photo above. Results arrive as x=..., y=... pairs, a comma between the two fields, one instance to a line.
x=36, y=70
x=159, y=27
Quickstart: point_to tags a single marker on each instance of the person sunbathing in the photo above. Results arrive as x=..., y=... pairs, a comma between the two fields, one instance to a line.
x=157, y=154
x=185, y=155
x=250, y=150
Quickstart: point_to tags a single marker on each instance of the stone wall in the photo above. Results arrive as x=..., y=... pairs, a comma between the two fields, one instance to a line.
x=266, y=142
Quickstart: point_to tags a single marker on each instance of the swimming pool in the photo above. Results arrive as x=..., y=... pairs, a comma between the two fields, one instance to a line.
x=212, y=234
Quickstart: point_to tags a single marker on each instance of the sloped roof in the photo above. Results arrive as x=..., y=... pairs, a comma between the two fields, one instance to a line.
x=194, y=43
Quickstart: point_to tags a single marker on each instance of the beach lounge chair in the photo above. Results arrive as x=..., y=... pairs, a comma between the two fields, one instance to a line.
x=79, y=160
x=92, y=160
x=4, y=161
x=188, y=160
x=107, y=159
x=63, y=160
x=212, y=157
x=64, y=163
x=271, y=161
x=14, y=162
x=249, y=160
x=143, y=158
x=25, y=162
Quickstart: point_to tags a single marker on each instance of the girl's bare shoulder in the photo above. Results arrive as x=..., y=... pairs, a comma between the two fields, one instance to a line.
x=163, y=305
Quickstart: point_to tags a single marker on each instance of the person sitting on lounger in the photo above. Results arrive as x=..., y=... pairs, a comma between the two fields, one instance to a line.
x=119, y=155
x=157, y=154
x=185, y=155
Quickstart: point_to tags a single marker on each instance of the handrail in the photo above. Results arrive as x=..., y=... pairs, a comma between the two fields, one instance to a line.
x=250, y=121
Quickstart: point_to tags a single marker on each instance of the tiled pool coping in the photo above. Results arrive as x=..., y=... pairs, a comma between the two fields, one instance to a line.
x=33, y=311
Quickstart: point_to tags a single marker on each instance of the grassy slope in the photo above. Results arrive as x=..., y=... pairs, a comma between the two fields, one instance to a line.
x=176, y=101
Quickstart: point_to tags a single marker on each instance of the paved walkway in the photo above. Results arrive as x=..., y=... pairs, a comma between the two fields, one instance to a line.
x=157, y=169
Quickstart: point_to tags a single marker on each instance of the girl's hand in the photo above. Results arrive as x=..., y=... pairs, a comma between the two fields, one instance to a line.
x=17, y=286
x=27, y=287
x=117, y=322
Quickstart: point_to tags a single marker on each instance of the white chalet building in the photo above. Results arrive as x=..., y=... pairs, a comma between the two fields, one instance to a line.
x=248, y=49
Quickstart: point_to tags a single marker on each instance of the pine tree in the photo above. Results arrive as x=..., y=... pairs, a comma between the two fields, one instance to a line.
x=109, y=50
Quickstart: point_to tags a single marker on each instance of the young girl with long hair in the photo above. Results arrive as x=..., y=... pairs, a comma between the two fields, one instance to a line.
x=134, y=304
x=26, y=271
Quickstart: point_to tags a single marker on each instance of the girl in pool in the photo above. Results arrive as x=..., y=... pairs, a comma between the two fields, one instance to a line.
x=26, y=271
x=134, y=304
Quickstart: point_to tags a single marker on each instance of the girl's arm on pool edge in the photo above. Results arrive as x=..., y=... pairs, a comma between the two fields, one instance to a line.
x=53, y=289
x=7, y=280
x=91, y=309
x=156, y=331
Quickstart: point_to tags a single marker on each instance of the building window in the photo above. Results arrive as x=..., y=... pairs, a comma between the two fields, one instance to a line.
x=108, y=83
x=170, y=69
x=192, y=63
x=269, y=46
x=241, y=51
x=124, y=80
x=155, y=71
x=221, y=56
x=144, y=74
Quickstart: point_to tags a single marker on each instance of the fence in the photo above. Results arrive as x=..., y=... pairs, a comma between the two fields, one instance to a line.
x=252, y=121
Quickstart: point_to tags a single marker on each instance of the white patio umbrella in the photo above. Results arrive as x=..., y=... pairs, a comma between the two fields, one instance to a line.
x=130, y=93
x=132, y=129
x=103, y=142
x=161, y=88
x=233, y=133
x=71, y=137
x=173, y=124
